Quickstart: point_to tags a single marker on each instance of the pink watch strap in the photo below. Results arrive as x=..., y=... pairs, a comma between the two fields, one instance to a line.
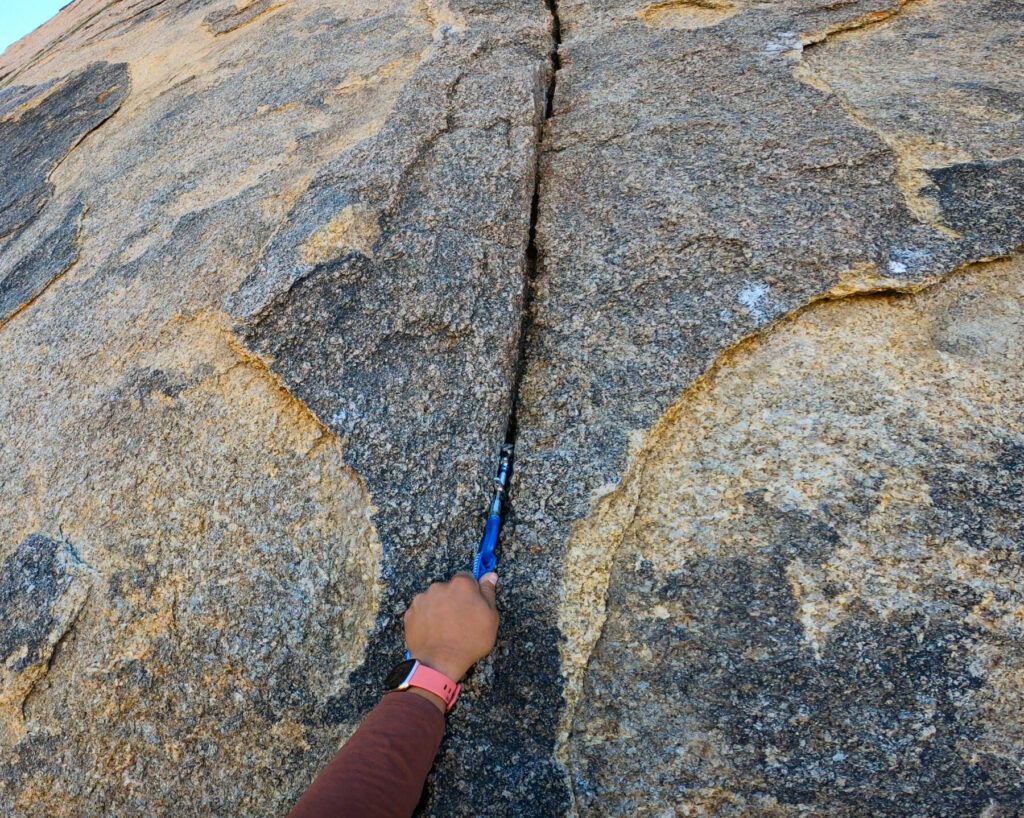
x=435, y=682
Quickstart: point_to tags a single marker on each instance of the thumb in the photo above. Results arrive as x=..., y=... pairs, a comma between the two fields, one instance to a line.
x=489, y=588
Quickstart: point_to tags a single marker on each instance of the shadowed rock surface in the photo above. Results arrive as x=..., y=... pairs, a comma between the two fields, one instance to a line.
x=33, y=273
x=265, y=271
x=34, y=581
x=39, y=125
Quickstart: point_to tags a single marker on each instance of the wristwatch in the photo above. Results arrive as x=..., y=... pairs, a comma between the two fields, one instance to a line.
x=411, y=673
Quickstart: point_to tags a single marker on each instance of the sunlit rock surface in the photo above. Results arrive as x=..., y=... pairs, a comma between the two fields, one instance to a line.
x=816, y=573
x=269, y=274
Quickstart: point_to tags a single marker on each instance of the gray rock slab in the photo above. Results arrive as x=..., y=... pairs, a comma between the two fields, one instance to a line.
x=403, y=338
x=699, y=182
x=41, y=125
x=33, y=273
x=265, y=401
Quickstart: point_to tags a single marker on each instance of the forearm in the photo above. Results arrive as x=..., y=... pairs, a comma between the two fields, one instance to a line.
x=380, y=771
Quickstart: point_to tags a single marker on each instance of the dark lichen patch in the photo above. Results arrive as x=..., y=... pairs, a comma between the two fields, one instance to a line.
x=137, y=388
x=224, y=20
x=984, y=201
x=982, y=505
x=878, y=721
x=15, y=96
x=32, y=756
x=32, y=274
x=34, y=143
x=1004, y=100
x=33, y=580
x=875, y=722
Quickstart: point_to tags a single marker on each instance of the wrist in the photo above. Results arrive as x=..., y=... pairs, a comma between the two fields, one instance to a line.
x=433, y=698
x=413, y=673
x=453, y=670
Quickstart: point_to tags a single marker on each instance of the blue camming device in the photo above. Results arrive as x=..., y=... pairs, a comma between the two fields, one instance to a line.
x=485, y=559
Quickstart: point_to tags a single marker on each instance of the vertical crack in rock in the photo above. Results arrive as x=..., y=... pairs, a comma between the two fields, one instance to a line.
x=526, y=320
x=725, y=206
x=393, y=305
x=464, y=258
x=514, y=765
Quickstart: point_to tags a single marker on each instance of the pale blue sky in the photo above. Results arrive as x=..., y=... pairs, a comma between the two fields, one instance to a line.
x=19, y=17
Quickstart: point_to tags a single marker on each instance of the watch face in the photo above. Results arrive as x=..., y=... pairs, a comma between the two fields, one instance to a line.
x=398, y=674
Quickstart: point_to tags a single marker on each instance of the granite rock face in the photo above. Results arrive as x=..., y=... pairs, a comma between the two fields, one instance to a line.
x=815, y=574
x=40, y=126
x=260, y=331
x=742, y=280
x=734, y=175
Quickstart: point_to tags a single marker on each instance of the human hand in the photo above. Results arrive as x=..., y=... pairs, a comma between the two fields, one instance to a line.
x=453, y=624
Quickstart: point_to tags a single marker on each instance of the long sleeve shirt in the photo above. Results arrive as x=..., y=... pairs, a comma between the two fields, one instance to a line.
x=380, y=771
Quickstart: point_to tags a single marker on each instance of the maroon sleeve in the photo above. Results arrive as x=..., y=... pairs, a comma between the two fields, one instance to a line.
x=380, y=771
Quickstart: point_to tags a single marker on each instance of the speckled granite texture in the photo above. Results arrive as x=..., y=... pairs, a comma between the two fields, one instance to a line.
x=743, y=279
